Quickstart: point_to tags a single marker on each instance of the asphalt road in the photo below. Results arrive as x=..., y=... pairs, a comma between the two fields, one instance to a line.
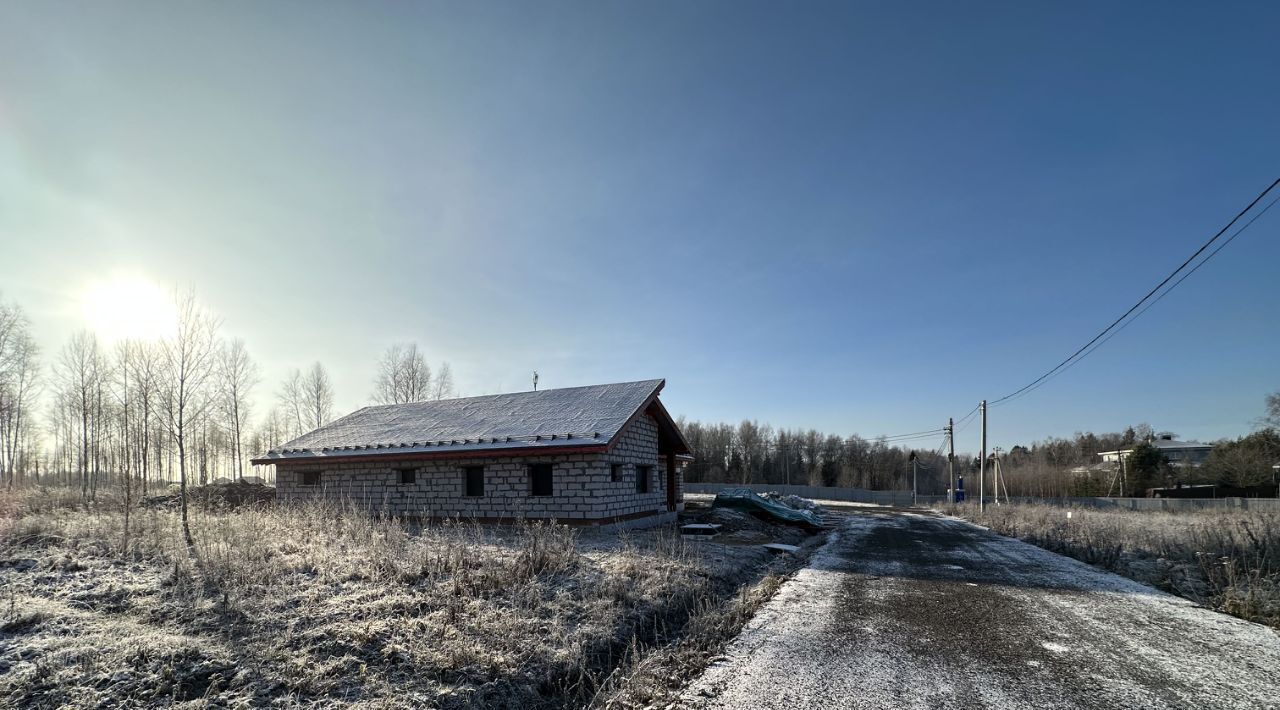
x=912, y=610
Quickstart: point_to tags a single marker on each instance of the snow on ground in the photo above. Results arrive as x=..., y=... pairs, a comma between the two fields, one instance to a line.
x=921, y=611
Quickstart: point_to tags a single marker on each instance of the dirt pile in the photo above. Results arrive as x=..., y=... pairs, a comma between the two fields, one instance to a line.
x=738, y=527
x=235, y=494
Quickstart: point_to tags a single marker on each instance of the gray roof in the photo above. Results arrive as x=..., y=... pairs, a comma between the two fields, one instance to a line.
x=551, y=419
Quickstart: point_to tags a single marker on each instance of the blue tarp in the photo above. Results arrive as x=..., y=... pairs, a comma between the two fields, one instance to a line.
x=749, y=501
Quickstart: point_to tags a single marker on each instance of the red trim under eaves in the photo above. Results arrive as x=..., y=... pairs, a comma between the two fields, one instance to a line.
x=392, y=456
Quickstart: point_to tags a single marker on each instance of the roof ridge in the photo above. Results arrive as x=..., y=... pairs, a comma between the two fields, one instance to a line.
x=452, y=441
x=507, y=394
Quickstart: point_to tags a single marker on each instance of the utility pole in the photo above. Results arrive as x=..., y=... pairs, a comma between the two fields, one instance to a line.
x=951, y=459
x=914, y=473
x=995, y=470
x=982, y=462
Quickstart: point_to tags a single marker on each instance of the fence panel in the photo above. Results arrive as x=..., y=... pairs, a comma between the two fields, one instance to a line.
x=862, y=495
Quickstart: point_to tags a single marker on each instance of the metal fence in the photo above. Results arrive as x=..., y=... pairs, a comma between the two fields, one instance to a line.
x=862, y=495
x=852, y=495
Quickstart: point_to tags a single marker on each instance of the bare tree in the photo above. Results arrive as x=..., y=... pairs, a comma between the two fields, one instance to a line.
x=144, y=362
x=443, y=388
x=237, y=375
x=124, y=391
x=403, y=376
x=273, y=431
x=79, y=374
x=293, y=402
x=189, y=365
x=19, y=375
x=317, y=396
x=1272, y=417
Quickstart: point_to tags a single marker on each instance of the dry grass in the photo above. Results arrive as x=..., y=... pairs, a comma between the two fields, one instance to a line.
x=319, y=605
x=1225, y=559
x=655, y=679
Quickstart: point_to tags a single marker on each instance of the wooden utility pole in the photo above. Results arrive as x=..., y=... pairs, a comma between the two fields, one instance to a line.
x=982, y=462
x=951, y=459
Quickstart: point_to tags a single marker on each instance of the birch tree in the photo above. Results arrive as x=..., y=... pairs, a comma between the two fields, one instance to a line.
x=443, y=387
x=403, y=376
x=293, y=403
x=317, y=396
x=123, y=389
x=144, y=364
x=79, y=373
x=19, y=377
x=189, y=365
x=237, y=376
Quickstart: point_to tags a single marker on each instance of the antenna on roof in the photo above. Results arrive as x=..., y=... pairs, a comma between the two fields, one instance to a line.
x=535, y=380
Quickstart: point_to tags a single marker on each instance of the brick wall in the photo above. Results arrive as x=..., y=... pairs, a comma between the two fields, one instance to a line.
x=583, y=485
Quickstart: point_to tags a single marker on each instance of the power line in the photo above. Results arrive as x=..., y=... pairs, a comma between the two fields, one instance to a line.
x=941, y=446
x=966, y=420
x=1157, y=299
x=1144, y=299
x=917, y=435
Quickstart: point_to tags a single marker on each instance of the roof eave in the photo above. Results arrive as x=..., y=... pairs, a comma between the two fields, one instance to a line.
x=401, y=455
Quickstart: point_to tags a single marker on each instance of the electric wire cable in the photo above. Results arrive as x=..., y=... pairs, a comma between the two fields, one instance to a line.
x=1145, y=298
x=1157, y=299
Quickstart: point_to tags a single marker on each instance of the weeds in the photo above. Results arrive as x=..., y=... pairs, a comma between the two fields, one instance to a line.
x=323, y=604
x=1224, y=559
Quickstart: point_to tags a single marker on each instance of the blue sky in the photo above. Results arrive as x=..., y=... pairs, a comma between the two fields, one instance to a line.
x=859, y=217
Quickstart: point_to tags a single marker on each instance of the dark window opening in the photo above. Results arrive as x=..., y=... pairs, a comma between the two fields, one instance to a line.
x=540, y=479
x=475, y=480
x=643, y=474
x=615, y=473
x=310, y=478
x=408, y=476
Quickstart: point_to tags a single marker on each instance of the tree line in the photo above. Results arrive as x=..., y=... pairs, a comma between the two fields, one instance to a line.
x=750, y=452
x=151, y=412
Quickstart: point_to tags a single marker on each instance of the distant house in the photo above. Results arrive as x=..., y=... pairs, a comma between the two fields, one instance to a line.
x=604, y=454
x=1179, y=453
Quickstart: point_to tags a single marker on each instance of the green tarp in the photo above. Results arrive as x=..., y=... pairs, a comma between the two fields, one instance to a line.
x=749, y=501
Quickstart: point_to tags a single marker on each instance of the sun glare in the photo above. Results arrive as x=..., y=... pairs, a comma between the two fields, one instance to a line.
x=128, y=307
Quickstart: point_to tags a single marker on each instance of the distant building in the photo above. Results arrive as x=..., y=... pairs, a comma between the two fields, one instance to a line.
x=1179, y=453
x=604, y=454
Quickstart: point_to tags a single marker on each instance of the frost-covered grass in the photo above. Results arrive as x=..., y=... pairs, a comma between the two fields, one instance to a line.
x=319, y=605
x=1225, y=559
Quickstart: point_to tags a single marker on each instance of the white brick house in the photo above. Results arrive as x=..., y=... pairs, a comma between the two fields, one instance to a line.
x=604, y=454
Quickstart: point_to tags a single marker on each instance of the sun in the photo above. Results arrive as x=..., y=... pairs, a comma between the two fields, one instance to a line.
x=128, y=307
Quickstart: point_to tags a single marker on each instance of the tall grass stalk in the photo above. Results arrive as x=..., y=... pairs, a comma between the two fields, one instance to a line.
x=1226, y=559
